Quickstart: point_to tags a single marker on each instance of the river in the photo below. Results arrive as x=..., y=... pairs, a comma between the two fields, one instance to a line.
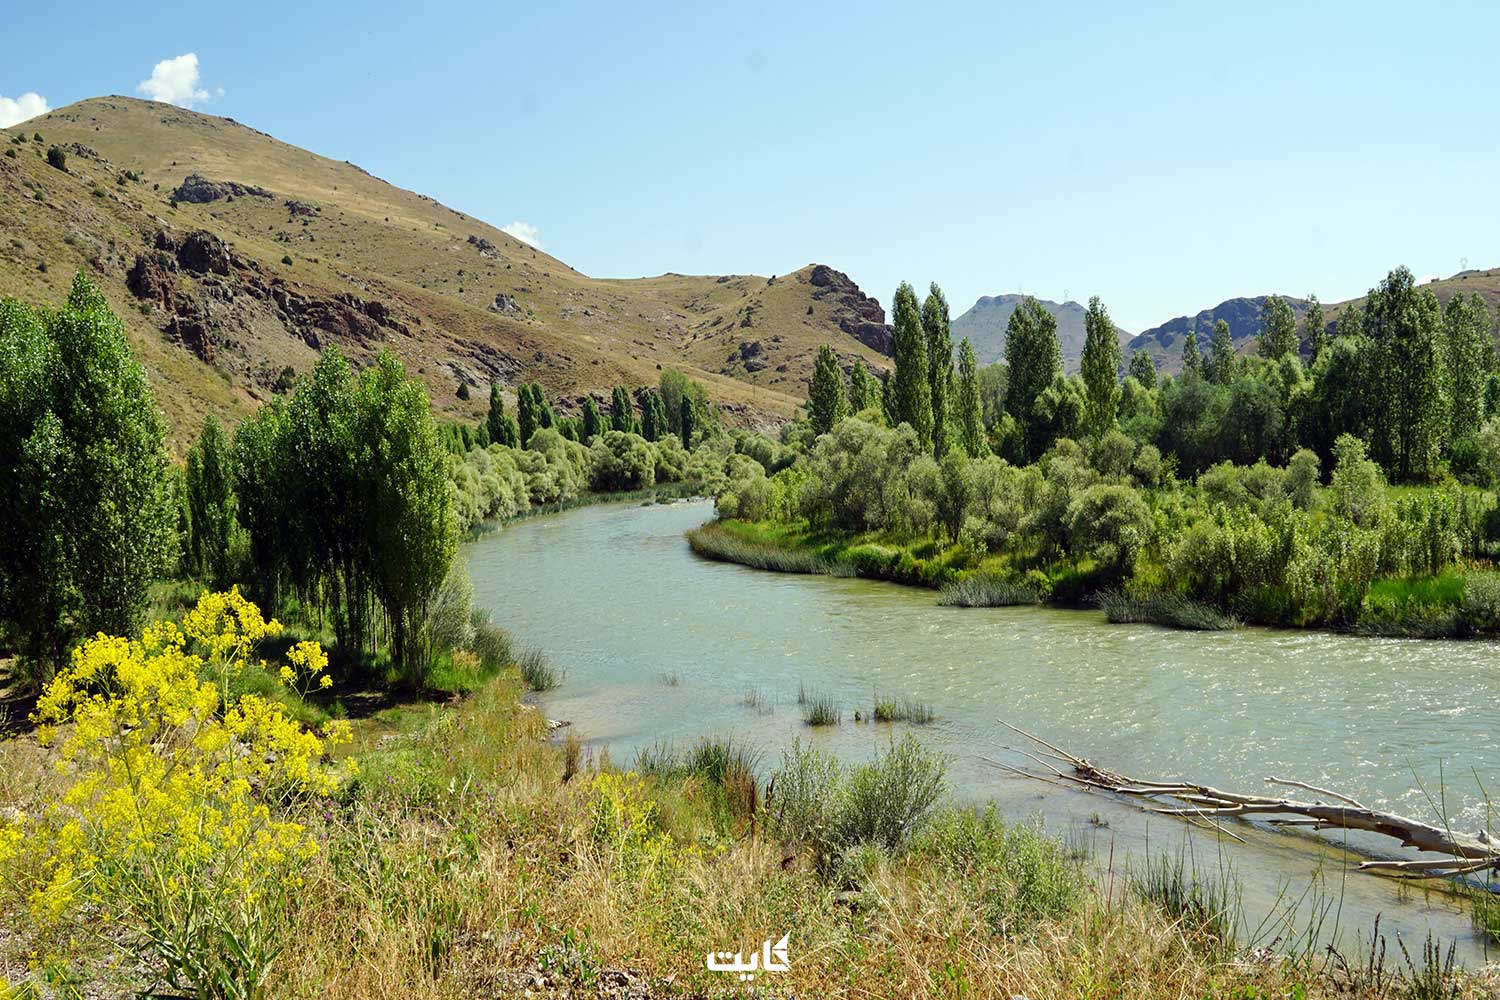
x=661, y=645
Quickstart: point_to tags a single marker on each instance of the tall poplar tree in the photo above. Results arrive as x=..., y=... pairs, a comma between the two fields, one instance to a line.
x=1033, y=358
x=1278, y=328
x=503, y=428
x=1313, y=325
x=593, y=421
x=1192, y=360
x=1143, y=369
x=912, y=390
x=968, y=408
x=863, y=393
x=939, y=333
x=211, y=505
x=1219, y=365
x=1405, y=326
x=621, y=411
x=826, y=404
x=687, y=421
x=1100, y=368
x=1466, y=324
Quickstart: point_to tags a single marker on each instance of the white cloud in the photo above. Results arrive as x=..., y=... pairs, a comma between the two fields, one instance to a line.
x=523, y=231
x=15, y=110
x=175, y=81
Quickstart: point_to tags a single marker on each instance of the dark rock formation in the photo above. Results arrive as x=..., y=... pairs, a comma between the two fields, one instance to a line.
x=295, y=207
x=197, y=189
x=859, y=315
x=150, y=279
x=507, y=304
x=203, y=252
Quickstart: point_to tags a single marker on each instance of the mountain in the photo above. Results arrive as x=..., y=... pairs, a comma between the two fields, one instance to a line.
x=984, y=325
x=1164, y=343
x=231, y=256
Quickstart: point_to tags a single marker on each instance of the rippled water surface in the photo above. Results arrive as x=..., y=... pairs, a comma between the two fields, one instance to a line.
x=659, y=644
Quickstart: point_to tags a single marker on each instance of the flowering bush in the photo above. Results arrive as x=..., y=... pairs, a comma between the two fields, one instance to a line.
x=174, y=829
x=626, y=822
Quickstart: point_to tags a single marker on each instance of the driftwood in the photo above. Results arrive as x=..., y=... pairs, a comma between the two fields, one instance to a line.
x=1463, y=853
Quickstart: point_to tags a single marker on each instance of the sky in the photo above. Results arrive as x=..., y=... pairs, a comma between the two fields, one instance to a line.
x=1161, y=156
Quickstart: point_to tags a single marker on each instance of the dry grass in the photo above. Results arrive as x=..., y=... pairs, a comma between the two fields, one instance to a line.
x=462, y=864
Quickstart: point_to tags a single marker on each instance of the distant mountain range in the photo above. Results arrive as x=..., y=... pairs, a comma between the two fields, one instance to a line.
x=984, y=323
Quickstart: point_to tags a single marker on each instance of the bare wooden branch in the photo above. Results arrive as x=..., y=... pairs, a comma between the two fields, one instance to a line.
x=1462, y=853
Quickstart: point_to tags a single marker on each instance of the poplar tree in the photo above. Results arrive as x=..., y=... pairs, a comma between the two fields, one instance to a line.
x=654, y=424
x=593, y=421
x=1033, y=358
x=502, y=427
x=1313, y=326
x=862, y=390
x=687, y=421
x=1219, y=365
x=211, y=505
x=1192, y=361
x=1100, y=367
x=826, y=405
x=969, y=412
x=621, y=411
x=1404, y=325
x=1278, y=328
x=912, y=392
x=1466, y=324
x=527, y=414
x=1143, y=369
x=939, y=334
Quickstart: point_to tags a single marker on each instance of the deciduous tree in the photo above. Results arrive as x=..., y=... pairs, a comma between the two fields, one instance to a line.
x=826, y=404
x=1100, y=368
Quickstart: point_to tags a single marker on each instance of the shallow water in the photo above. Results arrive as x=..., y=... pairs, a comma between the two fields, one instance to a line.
x=659, y=644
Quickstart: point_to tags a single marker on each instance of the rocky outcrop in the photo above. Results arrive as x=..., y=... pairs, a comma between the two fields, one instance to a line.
x=204, y=253
x=485, y=247
x=150, y=279
x=295, y=208
x=858, y=314
x=507, y=304
x=199, y=190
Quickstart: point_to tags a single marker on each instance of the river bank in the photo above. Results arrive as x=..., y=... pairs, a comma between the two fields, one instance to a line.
x=1417, y=608
x=709, y=648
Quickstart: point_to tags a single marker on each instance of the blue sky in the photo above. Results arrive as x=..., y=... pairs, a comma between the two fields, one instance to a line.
x=1162, y=156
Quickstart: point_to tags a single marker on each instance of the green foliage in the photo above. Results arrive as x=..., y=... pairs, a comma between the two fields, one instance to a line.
x=1110, y=524
x=653, y=417
x=939, y=336
x=84, y=478
x=57, y=159
x=621, y=461
x=986, y=590
x=1033, y=361
x=1313, y=328
x=968, y=415
x=593, y=421
x=687, y=422
x=1163, y=608
x=1470, y=357
x=622, y=411
x=1219, y=365
x=1278, y=328
x=1409, y=418
x=213, y=530
x=821, y=710
x=911, y=388
x=538, y=671
x=1143, y=369
x=503, y=428
x=864, y=392
x=1101, y=366
x=1192, y=358
x=826, y=403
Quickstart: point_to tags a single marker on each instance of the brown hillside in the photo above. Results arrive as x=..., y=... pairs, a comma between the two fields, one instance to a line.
x=215, y=312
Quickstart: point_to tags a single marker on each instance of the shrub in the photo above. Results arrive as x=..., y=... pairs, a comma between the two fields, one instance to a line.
x=1301, y=478
x=450, y=617
x=887, y=799
x=1481, y=600
x=801, y=812
x=57, y=158
x=166, y=829
x=286, y=259
x=1110, y=523
x=622, y=461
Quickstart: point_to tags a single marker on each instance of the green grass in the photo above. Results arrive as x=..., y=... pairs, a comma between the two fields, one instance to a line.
x=1420, y=607
x=1163, y=608
x=891, y=710
x=538, y=671
x=820, y=710
x=983, y=590
x=714, y=541
x=1205, y=907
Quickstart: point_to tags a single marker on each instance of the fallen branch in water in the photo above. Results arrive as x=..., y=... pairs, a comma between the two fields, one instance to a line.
x=1464, y=853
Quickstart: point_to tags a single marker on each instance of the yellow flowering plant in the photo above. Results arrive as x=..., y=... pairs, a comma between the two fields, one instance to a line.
x=176, y=827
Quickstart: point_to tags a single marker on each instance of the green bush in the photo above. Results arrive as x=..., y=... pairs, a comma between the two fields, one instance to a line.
x=887, y=799
x=538, y=671
x=1481, y=600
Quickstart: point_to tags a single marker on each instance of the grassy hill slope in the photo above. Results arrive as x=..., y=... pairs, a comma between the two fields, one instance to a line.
x=277, y=253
